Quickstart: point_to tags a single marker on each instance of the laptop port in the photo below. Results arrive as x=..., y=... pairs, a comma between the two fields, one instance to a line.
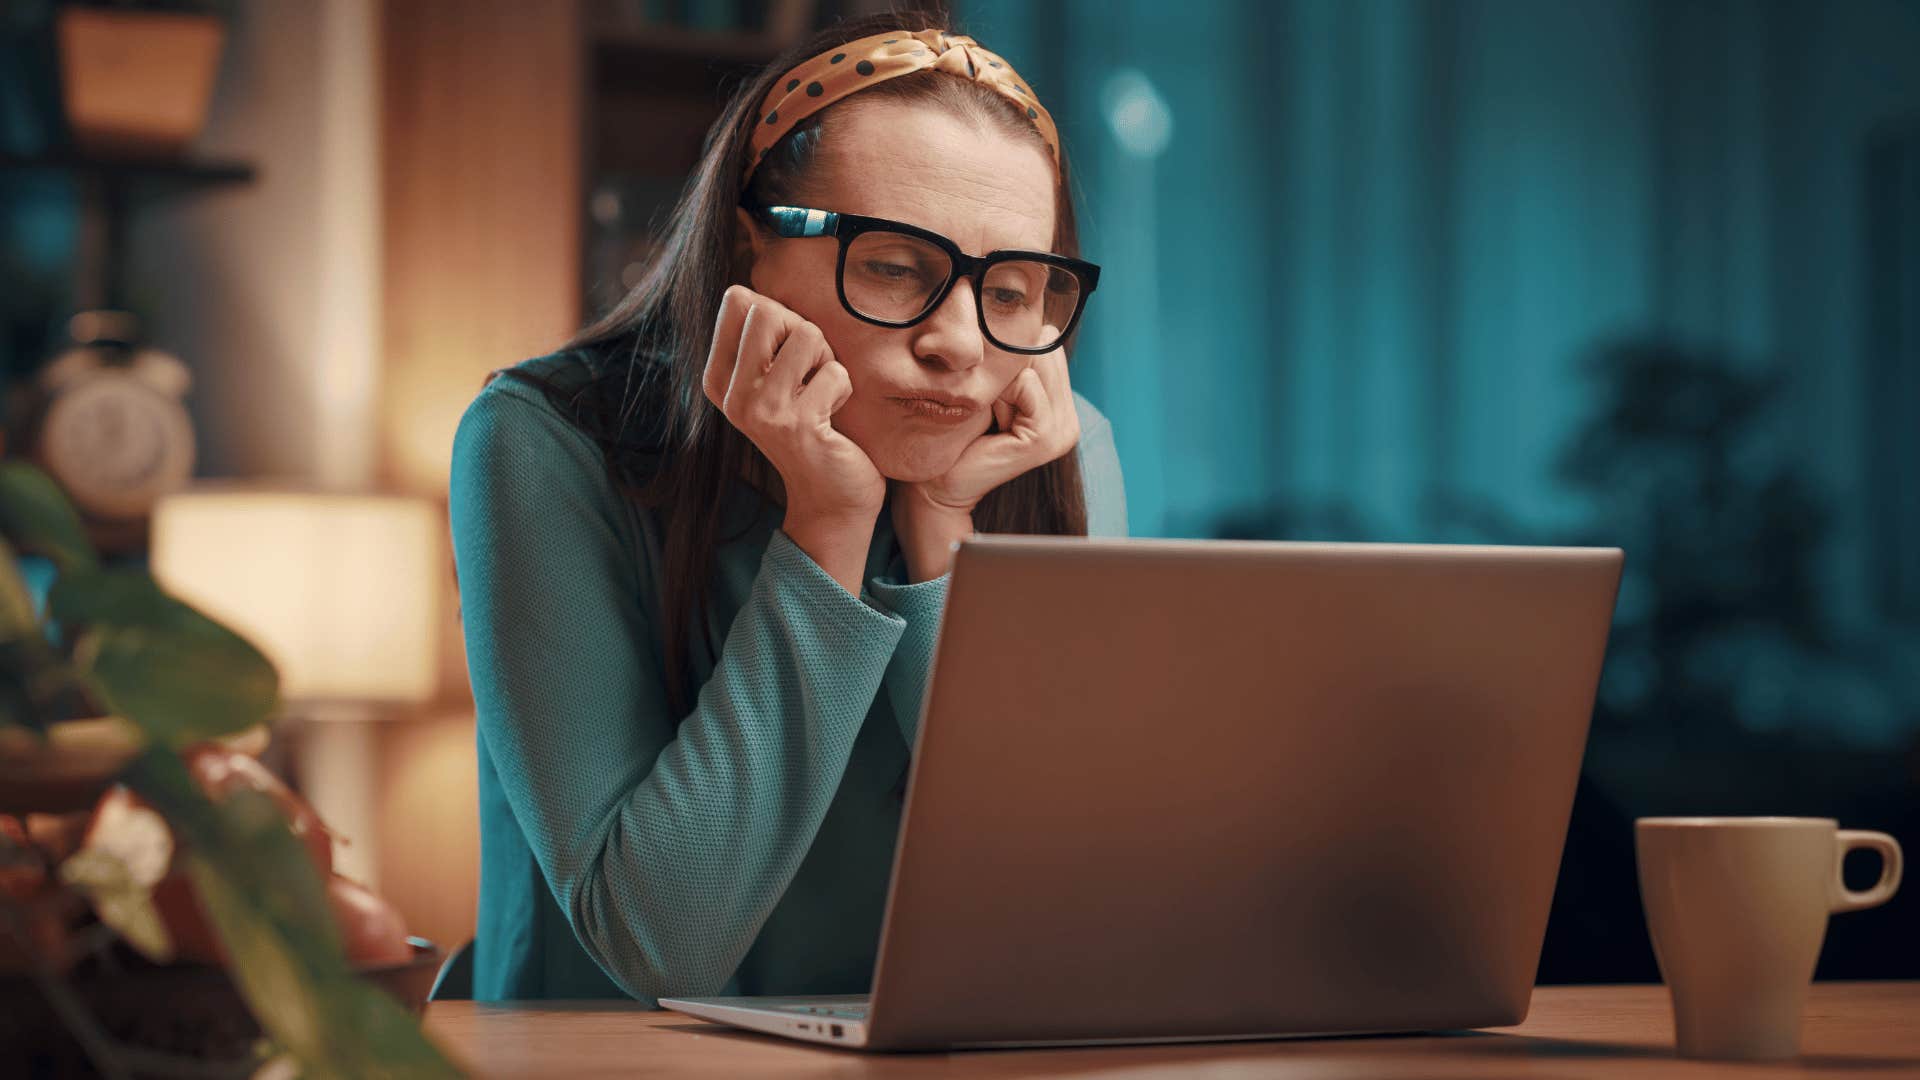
x=838, y=1031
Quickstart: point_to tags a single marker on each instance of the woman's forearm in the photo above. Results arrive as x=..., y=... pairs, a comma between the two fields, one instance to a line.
x=668, y=890
x=837, y=545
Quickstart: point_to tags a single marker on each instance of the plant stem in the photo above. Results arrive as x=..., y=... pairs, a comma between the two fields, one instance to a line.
x=113, y=1058
x=98, y=1044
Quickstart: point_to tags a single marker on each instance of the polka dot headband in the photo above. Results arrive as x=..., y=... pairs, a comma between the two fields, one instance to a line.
x=830, y=76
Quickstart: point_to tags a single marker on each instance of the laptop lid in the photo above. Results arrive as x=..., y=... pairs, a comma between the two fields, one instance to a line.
x=1197, y=789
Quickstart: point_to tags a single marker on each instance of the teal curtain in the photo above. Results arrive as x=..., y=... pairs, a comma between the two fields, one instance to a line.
x=1382, y=235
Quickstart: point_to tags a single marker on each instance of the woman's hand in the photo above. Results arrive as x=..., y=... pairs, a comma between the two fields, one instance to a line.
x=1035, y=422
x=774, y=377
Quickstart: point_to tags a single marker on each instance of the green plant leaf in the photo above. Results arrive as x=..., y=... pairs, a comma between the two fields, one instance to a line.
x=159, y=662
x=267, y=903
x=18, y=620
x=122, y=596
x=36, y=685
x=16, y=697
x=37, y=517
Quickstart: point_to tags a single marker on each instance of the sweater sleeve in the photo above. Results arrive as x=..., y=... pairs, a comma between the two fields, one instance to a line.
x=921, y=604
x=667, y=846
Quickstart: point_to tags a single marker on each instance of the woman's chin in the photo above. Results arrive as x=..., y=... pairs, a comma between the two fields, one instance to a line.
x=911, y=461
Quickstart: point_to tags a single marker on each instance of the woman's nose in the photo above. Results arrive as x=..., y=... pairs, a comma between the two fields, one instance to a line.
x=950, y=337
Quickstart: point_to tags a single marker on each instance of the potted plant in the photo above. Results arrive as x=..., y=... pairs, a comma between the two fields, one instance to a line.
x=135, y=830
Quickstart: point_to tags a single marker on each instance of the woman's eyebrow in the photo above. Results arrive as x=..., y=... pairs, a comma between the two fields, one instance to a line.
x=1047, y=246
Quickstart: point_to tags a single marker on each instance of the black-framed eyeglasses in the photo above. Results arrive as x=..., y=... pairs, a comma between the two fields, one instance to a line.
x=894, y=274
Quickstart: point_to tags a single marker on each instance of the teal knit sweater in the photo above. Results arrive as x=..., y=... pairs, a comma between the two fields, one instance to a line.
x=745, y=850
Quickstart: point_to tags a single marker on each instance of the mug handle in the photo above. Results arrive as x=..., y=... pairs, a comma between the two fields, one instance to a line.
x=1890, y=864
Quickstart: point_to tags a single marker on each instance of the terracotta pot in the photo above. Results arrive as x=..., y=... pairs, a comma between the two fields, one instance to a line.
x=190, y=1010
x=137, y=81
x=69, y=769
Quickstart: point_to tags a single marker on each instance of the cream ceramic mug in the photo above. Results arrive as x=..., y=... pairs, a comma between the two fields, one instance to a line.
x=1737, y=908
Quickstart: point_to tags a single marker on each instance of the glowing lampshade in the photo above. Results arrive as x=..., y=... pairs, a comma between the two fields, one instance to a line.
x=341, y=591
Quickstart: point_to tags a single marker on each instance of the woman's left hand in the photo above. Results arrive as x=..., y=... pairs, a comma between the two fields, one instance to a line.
x=1035, y=422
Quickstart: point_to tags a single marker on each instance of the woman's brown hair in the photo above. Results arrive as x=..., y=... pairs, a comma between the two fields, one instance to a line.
x=666, y=446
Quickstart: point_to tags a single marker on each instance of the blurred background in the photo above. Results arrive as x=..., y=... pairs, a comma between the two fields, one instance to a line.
x=1643, y=273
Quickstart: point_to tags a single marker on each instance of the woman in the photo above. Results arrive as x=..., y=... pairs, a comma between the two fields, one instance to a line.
x=703, y=550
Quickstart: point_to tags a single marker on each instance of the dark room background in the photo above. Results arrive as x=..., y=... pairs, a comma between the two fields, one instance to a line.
x=1642, y=273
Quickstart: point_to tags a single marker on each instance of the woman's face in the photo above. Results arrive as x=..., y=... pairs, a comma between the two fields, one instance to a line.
x=979, y=189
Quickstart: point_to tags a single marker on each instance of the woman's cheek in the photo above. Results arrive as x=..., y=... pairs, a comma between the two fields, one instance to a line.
x=862, y=421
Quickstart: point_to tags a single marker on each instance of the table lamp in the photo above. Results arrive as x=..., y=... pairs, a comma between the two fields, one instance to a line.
x=342, y=592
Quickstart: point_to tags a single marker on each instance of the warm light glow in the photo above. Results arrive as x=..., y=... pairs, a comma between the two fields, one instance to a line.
x=428, y=785
x=341, y=591
x=424, y=402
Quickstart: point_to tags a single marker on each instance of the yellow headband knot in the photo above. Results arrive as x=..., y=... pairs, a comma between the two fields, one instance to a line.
x=846, y=69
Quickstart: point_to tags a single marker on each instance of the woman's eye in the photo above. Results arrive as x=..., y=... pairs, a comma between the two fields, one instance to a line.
x=893, y=271
x=1007, y=297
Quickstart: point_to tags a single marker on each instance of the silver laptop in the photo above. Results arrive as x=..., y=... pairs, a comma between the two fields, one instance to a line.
x=1173, y=790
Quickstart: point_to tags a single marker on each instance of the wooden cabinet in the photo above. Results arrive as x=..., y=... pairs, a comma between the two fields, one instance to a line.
x=652, y=91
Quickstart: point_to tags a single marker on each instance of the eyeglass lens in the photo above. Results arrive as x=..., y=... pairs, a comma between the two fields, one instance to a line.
x=893, y=276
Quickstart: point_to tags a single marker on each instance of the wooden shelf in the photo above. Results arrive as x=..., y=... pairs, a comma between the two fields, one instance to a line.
x=664, y=62
x=108, y=186
x=771, y=30
x=652, y=92
x=656, y=42
x=132, y=167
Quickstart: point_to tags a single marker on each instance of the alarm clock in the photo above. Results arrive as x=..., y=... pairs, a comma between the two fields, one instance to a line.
x=112, y=427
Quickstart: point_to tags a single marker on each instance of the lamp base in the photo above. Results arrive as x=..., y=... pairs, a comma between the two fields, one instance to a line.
x=335, y=767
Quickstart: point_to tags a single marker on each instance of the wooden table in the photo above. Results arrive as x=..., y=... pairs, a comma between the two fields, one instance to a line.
x=1863, y=1029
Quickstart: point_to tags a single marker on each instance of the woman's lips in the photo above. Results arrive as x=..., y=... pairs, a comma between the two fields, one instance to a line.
x=933, y=410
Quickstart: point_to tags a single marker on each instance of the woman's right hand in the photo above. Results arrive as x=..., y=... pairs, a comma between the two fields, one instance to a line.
x=774, y=377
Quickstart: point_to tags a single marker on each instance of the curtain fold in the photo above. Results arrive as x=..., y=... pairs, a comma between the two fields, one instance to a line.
x=1383, y=236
